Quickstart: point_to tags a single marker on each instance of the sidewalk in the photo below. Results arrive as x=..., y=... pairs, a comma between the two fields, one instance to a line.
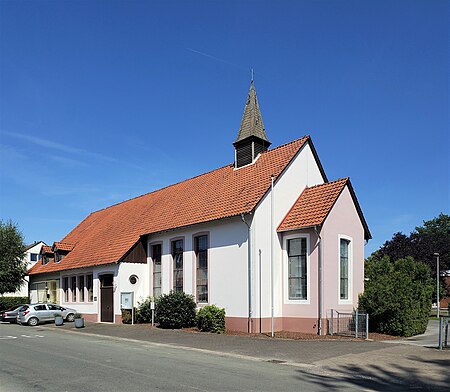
x=365, y=363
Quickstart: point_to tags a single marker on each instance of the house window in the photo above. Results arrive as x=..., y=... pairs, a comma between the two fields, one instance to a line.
x=89, y=287
x=156, y=256
x=34, y=257
x=177, y=256
x=81, y=287
x=344, y=268
x=297, y=268
x=73, y=286
x=66, y=288
x=201, y=252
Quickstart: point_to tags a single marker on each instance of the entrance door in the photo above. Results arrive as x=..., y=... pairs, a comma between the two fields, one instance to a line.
x=106, y=298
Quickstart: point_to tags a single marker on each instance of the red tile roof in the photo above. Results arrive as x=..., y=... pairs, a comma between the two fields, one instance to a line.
x=63, y=246
x=315, y=203
x=106, y=235
x=47, y=249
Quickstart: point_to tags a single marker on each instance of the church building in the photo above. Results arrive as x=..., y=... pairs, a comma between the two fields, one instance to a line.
x=268, y=237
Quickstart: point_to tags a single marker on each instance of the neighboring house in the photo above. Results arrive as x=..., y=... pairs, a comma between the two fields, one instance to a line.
x=251, y=237
x=32, y=256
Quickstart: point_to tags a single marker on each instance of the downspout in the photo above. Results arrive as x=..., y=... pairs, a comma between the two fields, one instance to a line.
x=249, y=272
x=320, y=283
x=272, y=327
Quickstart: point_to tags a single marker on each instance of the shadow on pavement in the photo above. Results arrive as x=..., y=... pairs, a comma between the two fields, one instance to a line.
x=380, y=378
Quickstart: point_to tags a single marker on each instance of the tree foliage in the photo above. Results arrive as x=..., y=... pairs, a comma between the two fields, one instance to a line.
x=421, y=244
x=13, y=266
x=397, y=295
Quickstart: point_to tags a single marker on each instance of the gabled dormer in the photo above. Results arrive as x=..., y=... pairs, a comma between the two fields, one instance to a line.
x=252, y=139
x=47, y=254
x=61, y=249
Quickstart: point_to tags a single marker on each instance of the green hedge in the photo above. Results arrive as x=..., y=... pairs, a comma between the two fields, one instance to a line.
x=175, y=310
x=9, y=302
x=210, y=318
x=397, y=295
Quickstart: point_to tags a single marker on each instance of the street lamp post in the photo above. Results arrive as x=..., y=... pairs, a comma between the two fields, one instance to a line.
x=437, y=281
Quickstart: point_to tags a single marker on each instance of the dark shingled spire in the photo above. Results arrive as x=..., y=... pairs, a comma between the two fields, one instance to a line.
x=252, y=139
x=252, y=123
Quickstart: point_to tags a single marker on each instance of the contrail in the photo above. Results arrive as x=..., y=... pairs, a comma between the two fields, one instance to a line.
x=215, y=58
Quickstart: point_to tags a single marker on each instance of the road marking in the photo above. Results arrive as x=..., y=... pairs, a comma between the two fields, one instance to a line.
x=9, y=337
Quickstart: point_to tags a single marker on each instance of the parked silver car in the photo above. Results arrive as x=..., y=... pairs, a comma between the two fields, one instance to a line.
x=10, y=314
x=34, y=314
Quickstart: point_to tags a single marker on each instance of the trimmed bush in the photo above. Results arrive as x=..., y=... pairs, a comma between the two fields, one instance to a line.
x=397, y=295
x=210, y=318
x=9, y=302
x=176, y=310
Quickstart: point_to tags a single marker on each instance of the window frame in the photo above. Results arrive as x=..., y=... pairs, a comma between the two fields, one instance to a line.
x=208, y=266
x=173, y=241
x=152, y=245
x=349, y=299
x=286, y=239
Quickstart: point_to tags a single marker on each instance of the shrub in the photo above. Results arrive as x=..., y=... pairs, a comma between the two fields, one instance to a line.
x=9, y=302
x=176, y=310
x=210, y=318
x=144, y=311
x=397, y=295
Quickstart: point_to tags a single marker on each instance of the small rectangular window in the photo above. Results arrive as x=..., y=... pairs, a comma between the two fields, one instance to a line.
x=89, y=287
x=73, y=286
x=33, y=256
x=201, y=251
x=177, y=256
x=81, y=287
x=297, y=266
x=156, y=257
x=66, y=288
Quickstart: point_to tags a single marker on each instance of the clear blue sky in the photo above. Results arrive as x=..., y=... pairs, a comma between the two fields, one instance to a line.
x=101, y=101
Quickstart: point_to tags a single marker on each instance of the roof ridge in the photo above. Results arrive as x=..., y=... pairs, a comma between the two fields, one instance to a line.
x=328, y=183
x=196, y=176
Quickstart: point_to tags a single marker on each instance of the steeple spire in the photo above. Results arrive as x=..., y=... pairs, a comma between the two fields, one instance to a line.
x=252, y=138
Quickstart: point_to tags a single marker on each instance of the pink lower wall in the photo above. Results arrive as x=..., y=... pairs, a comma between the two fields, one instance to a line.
x=290, y=324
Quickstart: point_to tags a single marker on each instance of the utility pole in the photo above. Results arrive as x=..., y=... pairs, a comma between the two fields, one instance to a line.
x=437, y=281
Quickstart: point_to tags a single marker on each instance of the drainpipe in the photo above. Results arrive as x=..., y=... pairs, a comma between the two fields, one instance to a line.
x=249, y=272
x=272, y=248
x=317, y=230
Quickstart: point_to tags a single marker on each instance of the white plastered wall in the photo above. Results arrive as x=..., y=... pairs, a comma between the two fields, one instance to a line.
x=227, y=263
x=303, y=171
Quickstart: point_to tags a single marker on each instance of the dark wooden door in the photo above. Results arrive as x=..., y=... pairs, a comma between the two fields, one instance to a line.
x=106, y=298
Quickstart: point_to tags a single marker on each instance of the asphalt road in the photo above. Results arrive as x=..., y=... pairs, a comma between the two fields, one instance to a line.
x=103, y=357
x=44, y=359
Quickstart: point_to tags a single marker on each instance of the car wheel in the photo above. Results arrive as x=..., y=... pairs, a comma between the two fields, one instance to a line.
x=33, y=321
x=70, y=317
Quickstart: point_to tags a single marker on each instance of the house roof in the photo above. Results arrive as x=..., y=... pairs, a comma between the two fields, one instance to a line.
x=315, y=203
x=27, y=247
x=105, y=236
x=252, y=123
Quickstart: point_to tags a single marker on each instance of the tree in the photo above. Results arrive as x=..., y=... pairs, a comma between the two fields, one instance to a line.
x=421, y=244
x=397, y=295
x=13, y=266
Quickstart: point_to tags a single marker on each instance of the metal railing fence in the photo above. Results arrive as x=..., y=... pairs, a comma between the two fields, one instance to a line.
x=354, y=324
